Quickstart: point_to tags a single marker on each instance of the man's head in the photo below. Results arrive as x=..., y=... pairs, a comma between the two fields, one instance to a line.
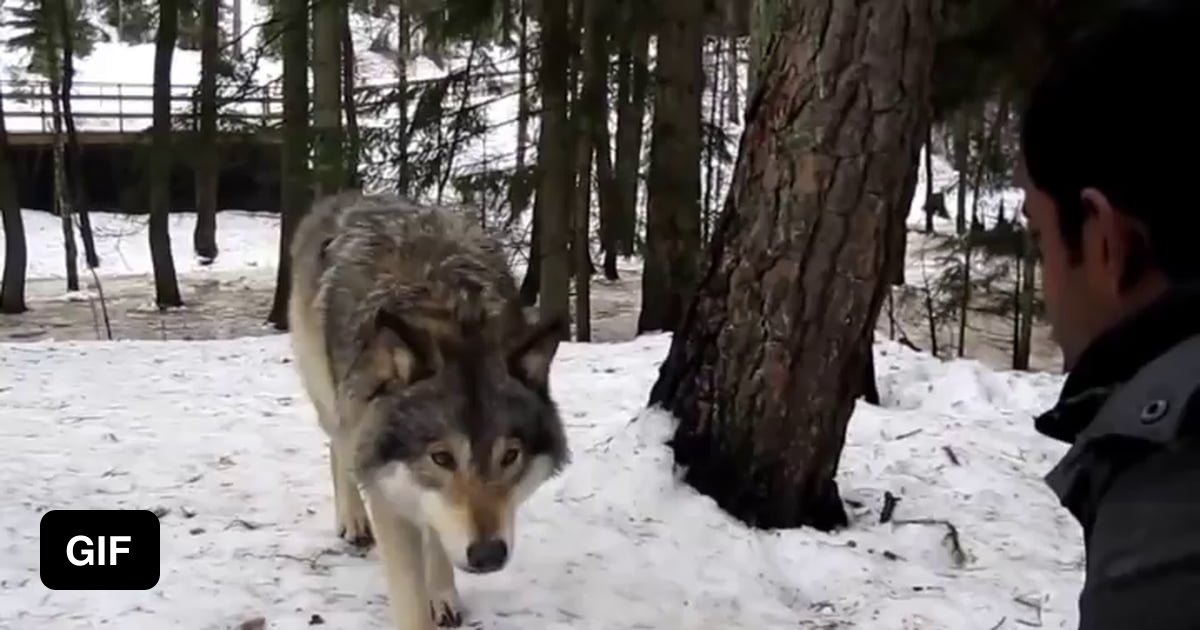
x=1109, y=143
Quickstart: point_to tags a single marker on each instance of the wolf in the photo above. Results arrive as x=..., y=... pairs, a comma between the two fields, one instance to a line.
x=431, y=385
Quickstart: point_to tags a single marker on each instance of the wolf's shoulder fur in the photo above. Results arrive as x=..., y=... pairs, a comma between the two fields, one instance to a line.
x=371, y=253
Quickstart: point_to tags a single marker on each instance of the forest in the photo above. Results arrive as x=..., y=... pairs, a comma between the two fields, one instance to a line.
x=756, y=160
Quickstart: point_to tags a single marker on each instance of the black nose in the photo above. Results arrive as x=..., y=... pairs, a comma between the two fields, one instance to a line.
x=487, y=555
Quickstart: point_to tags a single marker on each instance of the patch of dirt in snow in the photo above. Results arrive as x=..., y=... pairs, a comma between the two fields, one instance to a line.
x=218, y=438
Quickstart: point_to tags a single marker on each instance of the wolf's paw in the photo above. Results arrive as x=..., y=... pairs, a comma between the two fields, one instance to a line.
x=445, y=609
x=356, y=531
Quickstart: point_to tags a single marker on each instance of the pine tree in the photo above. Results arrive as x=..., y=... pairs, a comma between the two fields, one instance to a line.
x=764, y=370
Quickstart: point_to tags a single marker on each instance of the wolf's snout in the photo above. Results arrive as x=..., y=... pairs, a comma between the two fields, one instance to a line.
x=487, y=555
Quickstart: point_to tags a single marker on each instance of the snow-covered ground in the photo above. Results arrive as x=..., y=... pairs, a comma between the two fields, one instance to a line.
x=219, y=438
x=245, y=240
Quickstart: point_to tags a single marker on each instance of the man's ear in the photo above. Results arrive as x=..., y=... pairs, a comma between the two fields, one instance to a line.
x=529, y=360
x=400, y=353
x=1115, y=239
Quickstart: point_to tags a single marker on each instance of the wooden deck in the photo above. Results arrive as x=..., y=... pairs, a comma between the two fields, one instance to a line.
x=113, y=122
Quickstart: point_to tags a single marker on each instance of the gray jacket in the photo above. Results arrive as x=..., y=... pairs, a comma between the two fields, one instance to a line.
x=1132, y=475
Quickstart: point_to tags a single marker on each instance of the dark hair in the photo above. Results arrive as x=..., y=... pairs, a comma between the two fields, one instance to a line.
x=1114, y=113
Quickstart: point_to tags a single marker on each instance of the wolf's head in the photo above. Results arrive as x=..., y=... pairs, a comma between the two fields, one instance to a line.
x=463, y=427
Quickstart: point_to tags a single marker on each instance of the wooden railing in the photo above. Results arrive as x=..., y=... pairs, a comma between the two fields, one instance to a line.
x=128, y=107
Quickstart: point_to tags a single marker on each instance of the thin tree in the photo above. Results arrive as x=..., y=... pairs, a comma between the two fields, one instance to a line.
x=294, y=180
x=12, y=284
x=763, y=373
x=402, y=52
x=962, y=156
x=67, y=9
x=606, y=179
x=633, y=81
x=671, y=263
x=236, y=9
x=62, y=203
x=554, y=163
x=166, y=286
x=1025, y=303
x=353, y=137
x=588, y=116
x=204, y=237
x=327, y=104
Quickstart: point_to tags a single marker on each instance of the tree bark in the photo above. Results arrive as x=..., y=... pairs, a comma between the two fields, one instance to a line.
x=353, y=137
x=79, y=203
x=672, y=253
x=554, y=162
x=763, y=373
x=327, y=104
x=12, y=284
x=204, y=238
x=632, y=84
x=294, y=175
x=166, y=286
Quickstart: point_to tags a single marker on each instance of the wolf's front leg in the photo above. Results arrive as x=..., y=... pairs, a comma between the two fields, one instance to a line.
x=400, y=548
x=444, y=605
x=352, y=522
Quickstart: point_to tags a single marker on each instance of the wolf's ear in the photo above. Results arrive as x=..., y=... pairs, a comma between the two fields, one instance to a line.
x=401, y=353
x=530, y=359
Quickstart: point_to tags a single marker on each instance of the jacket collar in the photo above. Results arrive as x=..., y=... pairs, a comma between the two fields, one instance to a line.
x=1116, y=355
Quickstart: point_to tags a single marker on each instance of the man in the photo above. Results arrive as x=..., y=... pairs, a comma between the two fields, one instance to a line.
x=1109, y=144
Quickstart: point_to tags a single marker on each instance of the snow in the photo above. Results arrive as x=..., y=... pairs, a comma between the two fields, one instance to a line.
x=219, y=435
x=245, y=240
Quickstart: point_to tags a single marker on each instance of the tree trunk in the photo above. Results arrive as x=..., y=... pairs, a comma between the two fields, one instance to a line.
x=633, y=82
x=606, y=183
x=962, y=157
x=531, y=285
x=1028, y=280
x=327, y=104
x=204, y=238
x=294, y=175
x=12, y=286
x=79, y=203
x=930, y=206
x=353, y=137
x=166, y=286
x=402, y=48
x=62, y=205
x=237, y=28
x=710, y=144
x=763, y=373
x=554, y=161
x=588, y=121
x=732, y=110
x=672, y=253
x=519, y=188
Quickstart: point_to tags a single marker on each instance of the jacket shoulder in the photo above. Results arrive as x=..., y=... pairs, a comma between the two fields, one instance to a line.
x=1158, y=405
x=1158, y=408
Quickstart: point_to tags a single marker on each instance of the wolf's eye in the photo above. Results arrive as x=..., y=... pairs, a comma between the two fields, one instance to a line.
x=510, y=456
x=443, y=459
